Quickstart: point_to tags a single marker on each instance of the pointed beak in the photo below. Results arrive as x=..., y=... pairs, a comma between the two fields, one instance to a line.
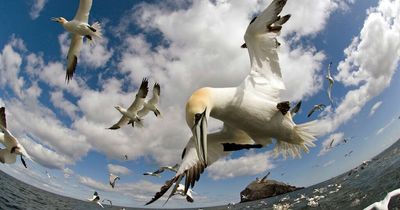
x=54, y=19
x=200, y=134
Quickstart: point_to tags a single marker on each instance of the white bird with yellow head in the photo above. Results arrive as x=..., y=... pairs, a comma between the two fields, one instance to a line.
x=253, y=113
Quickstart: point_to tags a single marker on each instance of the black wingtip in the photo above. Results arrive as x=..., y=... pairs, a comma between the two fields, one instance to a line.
x=23, y=162
x=244, y=45
x=71, y=70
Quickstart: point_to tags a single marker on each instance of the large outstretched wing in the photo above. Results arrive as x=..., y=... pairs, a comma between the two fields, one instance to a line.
x=191, y=167
x=73, y=54
x=123, y=121
x=260, y=40
x=140, y=96
x=82, y=14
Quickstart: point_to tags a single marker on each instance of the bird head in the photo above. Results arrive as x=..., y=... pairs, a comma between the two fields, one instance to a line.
x=119, y=108
x=60, y=20
x=196, y=106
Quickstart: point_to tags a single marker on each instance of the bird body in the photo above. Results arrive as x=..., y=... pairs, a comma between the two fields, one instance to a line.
x=151, y=105
x=112, y=179
x=331, y=81
x=96, y=199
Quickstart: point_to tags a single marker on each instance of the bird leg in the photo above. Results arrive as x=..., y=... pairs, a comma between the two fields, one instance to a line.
x=88, y=37
x=274, y=29
x=132, y=123
x=228, y=147
x=13, y=149
x=92, y=29
x=283, y=107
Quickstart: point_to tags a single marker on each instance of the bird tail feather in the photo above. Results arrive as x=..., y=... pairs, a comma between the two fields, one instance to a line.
x=304, y=135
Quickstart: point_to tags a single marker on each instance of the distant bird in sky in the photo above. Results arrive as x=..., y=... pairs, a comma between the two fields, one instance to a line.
x=130, y=115
x=79, y=28
x=383, y=204
x=331, y=81
x=151, y=105
x=13, y=148
x=96, y=199
x=348, y=154
x=112, y=179
x=330, y=144
x=265, y=177
x=253, y=113
x=295, y=109
x=109, y=201
x=316, y=107
x=126, y=157
x=162, y=169
x=48, y=175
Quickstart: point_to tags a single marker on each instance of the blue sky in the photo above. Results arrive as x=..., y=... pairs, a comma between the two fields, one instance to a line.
x=185, y=46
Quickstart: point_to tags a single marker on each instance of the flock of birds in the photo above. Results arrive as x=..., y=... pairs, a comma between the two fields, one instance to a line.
x=255, y=100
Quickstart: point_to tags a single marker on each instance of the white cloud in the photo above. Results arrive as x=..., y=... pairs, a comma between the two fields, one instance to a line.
x=58, y=100
x=93, y=183
x=370, y=63
x=329, y=163
x=68, y=172
x=250, y=164
x=10, y=62
x=326, y=147
x=386, y=126
x=118, y=170
x=375, y=107
x=36, y=8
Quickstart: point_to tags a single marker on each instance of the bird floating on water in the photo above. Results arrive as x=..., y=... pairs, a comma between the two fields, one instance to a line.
x=112, y=179
x=130, y=115
x=96, y=199
x=316, y=107
x=79, y=28
x=252, y=112
x=331, y=82
x=13, y=148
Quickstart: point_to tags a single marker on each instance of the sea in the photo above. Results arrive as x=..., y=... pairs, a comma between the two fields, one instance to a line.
x=356, y=189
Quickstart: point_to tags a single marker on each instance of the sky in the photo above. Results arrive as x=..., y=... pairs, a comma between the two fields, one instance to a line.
x=185, y=45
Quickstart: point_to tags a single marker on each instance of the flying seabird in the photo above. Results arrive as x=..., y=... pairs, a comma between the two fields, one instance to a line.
x=295, y=109
x=252, y=112
x=151, y=105
x=113, y=178
x=13, y=148
x=319, y=107
x=331, y=81
x=383, y=204
x=265, y=177
x=162, y=169
x=108, y=201
x=96, y=199
x=130, y=115
x=348, y=154
x=126, y=157
x=79, y=28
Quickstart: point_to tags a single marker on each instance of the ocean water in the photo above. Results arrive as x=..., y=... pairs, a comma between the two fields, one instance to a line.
x=355, y=189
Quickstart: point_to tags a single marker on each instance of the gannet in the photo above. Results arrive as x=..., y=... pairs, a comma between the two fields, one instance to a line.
x=252, y=112
x=113, y=178
x=96, y=199
x=13, y=148
x=126, y=157
x=295, y=109
x=265, y=177
x=151, y=105
x=383, y=204
x=79, y=28
x=107, y=200
x=191, y=166
x=162, y=169
x=348, y=154
x=316, y=107
x=130, y=116
x=254, y=106
x=331, y=81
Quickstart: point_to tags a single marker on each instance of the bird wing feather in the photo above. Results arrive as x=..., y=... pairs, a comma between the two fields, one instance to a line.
x=260, y=37
x=123, y=121
x=82, y=14
x=72, y=56
x=140, y=96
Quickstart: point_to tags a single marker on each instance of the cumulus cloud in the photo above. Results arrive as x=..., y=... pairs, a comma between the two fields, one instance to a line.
x=58, y=100
x=118, y=170
x=10, y=63
x=250, y=164
x=329, y=163
x=36, y=8
x=93, y=183
x=375, y=107
x=371, y=60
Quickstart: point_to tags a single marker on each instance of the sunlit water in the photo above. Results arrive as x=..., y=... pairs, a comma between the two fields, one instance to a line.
x=347, y=191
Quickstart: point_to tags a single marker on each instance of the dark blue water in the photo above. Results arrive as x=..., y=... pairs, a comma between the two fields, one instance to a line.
x=355, y=189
